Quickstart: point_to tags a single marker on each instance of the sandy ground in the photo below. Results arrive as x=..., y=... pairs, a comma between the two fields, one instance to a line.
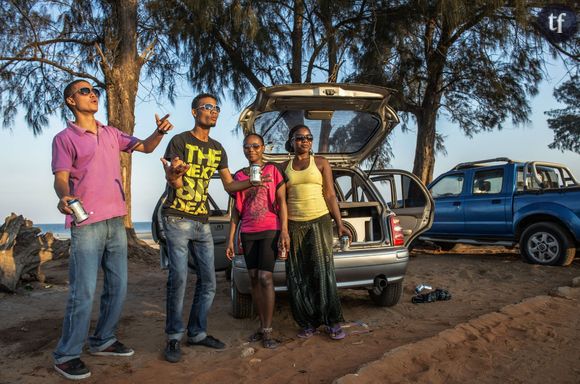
x=507, y=322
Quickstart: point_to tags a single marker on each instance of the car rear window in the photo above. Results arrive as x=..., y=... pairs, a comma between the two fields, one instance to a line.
x=341, y=131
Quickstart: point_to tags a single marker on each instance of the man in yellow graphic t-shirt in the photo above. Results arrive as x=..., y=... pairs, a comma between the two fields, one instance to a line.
x=190, y=160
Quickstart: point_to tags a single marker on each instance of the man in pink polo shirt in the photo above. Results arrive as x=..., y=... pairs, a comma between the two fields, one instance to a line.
x=86, y=166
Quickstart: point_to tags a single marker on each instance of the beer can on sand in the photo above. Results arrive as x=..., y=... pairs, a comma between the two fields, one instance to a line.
x=79, y=213
x=422, y=287
x=255, y=174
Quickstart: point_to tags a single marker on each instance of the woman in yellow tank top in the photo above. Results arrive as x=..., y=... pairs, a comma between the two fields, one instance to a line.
x=310, y=265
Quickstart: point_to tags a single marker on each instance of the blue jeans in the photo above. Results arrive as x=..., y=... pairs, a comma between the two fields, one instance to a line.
x=99, y=244
x=185, y=236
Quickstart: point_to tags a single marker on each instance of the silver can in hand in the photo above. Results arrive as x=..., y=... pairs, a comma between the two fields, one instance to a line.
x=282, y=253
x=255, y=174
x=79, y=212
x=344, y=243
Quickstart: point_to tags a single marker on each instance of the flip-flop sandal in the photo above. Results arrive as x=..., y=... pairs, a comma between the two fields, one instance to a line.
x=335, y=333
x=256, y=336
x=307, y=333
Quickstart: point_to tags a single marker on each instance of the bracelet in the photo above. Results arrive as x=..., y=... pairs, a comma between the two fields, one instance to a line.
x=159, y=131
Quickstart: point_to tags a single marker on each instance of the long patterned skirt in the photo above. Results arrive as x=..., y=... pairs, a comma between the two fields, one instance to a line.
x=310, y=273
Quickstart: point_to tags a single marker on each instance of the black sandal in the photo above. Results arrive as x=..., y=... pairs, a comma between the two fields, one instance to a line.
x=267, y=340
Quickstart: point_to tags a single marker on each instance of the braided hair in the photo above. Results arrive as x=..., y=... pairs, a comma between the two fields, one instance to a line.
x=288, y=143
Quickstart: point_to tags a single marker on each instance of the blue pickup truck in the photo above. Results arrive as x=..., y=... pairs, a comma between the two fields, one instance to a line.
x=504, y=202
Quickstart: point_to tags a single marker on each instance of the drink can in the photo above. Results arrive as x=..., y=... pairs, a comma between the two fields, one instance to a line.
x=422, y=287
x=79, y=212
x=281, y=252
x=344, y=243
x=255, y=174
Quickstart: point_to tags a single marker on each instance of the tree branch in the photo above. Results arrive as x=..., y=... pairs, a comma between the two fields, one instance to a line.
x=236, y=58
x=56, y=65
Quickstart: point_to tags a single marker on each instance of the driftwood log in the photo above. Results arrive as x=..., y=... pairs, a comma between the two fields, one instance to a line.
x=23, y=250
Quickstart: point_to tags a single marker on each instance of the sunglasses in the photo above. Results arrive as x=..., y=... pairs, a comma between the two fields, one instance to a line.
x=253, y=145
x=303, y=138
x=210, y=107
x=87, y=91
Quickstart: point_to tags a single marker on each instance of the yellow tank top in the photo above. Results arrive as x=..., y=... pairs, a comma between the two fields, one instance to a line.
x=304, y=193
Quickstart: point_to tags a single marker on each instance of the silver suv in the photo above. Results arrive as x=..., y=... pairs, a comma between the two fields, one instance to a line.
x=384, y=209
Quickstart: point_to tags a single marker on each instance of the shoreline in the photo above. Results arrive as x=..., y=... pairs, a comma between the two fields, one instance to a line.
x=146, y=236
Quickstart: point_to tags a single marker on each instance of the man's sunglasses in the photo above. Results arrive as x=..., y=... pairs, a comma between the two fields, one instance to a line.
x=253, y=145
x=87, y=91
x=303, y=138
x=210, y=107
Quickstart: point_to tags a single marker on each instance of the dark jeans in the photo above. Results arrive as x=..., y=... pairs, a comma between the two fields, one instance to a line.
x=185, y=235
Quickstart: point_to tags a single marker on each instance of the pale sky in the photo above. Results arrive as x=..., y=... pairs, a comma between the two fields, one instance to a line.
x=26, y=177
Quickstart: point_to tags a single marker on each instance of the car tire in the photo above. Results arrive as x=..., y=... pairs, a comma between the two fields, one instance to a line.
x=242, y=305
x=444, y=245
x=547, y=243
x=228, y=272
x=390, y=295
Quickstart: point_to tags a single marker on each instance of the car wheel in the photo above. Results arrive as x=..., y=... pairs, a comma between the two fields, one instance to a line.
x=547, y=244
x=228, y=272
x=242, y=306
x=444, y=245
x=389, y=296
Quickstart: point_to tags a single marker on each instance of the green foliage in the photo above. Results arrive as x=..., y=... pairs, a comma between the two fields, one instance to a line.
x=471, y=58
x=241, y=46
x=565, y=122
x=47, y=43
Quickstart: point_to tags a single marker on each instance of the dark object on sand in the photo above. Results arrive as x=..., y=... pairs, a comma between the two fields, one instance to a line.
x=438, y=294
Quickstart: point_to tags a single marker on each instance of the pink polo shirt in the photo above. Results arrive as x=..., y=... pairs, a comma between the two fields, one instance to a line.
x=93, y=162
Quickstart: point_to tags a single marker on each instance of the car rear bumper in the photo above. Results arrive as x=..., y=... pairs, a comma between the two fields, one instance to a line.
x=354, y=268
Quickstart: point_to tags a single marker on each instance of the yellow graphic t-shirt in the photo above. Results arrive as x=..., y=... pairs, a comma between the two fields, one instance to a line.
x=204, y=158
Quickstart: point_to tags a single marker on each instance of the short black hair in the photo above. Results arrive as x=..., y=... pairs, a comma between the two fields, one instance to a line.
x=288, y=143
x=196, y=99
x=254, y=134
x=68, y=89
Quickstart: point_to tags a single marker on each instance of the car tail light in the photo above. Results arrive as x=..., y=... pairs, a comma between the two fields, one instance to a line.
x=396, y=231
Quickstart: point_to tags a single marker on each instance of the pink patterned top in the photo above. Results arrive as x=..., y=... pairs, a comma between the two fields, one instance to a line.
x=257, y=205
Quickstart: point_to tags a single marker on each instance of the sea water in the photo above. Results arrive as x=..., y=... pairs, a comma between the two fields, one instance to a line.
x=142, y=229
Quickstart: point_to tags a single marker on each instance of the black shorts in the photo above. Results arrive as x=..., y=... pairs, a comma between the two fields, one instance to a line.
x=260, y=249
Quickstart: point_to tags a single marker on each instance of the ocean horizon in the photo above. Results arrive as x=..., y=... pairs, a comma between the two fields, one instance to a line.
x=142, y=229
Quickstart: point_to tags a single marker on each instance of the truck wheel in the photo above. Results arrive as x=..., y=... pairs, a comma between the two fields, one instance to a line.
x=444, y=245
x=547, y=243
x=389, y=296
x=242, y=306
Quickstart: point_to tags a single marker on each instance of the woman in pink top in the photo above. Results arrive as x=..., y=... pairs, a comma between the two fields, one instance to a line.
x=261, y=213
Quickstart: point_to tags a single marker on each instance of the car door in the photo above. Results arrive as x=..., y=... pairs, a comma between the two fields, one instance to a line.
x=408, y=197
x=219, y=221
x=485, y=203
x=447, y=193
x=348, y=121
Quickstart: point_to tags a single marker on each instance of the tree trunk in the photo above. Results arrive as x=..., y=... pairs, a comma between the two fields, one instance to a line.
x=23, y=252
x=427, y=114
x=425, y=149
x=122, y=78
x=297, y=35
x=329, y=29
